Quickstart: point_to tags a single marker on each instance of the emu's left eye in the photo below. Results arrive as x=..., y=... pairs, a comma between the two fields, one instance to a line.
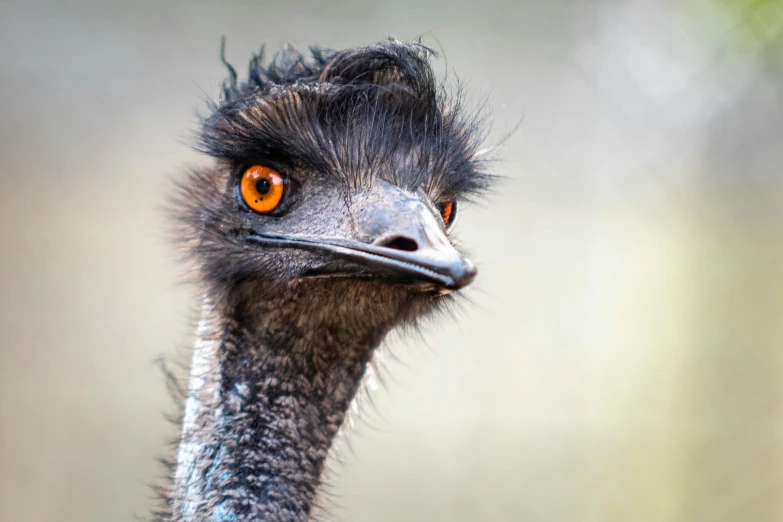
x=448, y=211
x=262, y=188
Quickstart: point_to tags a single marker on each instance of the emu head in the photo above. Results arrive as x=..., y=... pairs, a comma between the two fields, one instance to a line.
x=337, y=180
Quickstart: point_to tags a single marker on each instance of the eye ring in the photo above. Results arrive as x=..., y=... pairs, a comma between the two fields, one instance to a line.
x=448, y=212
x=262, y=189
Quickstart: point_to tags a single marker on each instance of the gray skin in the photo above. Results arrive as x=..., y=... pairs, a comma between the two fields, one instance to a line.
x=288, y=330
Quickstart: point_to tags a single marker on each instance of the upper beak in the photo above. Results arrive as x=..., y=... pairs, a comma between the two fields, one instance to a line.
x=405, y=241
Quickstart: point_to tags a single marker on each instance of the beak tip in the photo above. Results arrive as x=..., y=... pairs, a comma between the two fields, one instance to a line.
x=463, y=275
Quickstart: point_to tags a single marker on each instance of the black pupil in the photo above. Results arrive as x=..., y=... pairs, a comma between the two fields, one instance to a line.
x=263, y=186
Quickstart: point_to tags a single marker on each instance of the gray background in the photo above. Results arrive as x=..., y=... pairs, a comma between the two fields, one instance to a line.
x=620, y=358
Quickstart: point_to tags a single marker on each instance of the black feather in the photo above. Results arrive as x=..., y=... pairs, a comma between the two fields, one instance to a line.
x=358, y=114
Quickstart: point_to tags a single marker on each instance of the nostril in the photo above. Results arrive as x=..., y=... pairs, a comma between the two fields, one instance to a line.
x=401, y=243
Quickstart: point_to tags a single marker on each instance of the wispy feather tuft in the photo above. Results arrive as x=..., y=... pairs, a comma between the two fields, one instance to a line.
x=358, y=114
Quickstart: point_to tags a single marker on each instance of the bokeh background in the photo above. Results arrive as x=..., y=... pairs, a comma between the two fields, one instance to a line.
x=621, y=356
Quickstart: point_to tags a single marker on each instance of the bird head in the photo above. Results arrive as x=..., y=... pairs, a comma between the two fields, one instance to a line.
x=341, y=171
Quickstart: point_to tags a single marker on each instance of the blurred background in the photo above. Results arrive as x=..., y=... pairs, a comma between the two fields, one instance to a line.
x=621, y=356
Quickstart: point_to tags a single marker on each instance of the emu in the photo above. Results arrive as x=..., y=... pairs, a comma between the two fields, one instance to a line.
x=323, y=223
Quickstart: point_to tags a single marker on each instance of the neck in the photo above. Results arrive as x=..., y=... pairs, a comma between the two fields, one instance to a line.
x=264, y=404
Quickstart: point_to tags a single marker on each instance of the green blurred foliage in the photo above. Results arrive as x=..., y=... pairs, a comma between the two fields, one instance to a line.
x=760, y=25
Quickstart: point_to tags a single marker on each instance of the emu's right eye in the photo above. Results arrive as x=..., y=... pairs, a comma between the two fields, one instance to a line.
x=262, y=188
x=448, y=211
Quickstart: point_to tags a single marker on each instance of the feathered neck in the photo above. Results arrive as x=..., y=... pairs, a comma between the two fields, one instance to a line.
x=269, y=389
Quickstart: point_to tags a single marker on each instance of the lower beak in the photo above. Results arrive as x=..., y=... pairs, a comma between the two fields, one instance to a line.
x=431, y=268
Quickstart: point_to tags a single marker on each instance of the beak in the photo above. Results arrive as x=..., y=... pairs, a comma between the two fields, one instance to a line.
x=406, y=244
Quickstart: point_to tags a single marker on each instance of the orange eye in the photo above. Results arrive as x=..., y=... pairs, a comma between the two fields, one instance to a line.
x=448, y=211
x=261, y=188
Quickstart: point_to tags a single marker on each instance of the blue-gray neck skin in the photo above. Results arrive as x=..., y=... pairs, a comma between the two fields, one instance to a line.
x=269, y=389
